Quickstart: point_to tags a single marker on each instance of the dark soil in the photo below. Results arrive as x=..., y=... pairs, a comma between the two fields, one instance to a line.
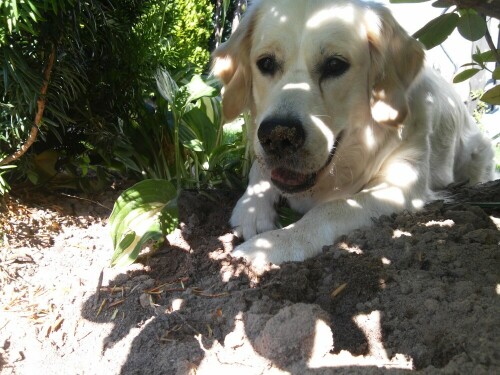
x=416, y=291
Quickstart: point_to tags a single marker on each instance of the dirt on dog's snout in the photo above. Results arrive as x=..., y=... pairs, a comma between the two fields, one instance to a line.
x=415, y=291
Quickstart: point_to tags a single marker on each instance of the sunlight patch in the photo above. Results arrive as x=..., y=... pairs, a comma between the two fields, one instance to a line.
x=325, y=130
x=259, y=188
x=297, y=86
x=402, y=174
x=353, y=203
x=350, y=249
x=417, y=203
x=323, y=341
x=398, y=233
x=440, y=223
x=369, y=137
x=391, y=194
x=177, y=304
x=345, y=13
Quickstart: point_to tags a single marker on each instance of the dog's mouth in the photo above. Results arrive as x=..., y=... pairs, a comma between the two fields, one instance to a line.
x=290, y=181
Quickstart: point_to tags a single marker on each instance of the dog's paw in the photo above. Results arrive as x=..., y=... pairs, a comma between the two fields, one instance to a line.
x=253, y=215
x=268, y=248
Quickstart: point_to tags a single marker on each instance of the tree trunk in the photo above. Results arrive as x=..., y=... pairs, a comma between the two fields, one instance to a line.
x=42, y=99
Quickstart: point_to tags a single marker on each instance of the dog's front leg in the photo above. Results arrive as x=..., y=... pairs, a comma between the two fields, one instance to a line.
x=255, y=212
x=324, y=224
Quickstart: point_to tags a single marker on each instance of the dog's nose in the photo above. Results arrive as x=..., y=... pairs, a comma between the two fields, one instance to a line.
x=281, y=135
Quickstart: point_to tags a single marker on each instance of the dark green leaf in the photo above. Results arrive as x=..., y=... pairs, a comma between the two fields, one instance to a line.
x=437, y=31
x=496, y=74
x=441, y=4
x=484, y=57
x=492, y=96
x=472, y=26
x=465, y=75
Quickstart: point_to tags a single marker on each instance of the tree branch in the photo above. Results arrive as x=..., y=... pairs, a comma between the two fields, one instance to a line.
x=42, y=99
x=490, y=8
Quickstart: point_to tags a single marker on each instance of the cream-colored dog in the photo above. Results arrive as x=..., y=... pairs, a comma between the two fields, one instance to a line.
x=348, y=124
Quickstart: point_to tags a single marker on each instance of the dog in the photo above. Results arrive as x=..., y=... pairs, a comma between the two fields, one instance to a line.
x=348, y=123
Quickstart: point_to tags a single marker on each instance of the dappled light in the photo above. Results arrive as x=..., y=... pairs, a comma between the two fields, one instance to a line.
x=383, y=111
x=305, y=237
x=353, y=203
x=325, y=130
x=398, y=233
x=370, y=139
x=345, y=14
x=386, y=192
x=440, y=223
x=297, y=86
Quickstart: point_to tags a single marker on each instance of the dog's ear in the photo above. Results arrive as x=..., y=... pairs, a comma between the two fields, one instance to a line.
x=396, y=60
x=231, y=64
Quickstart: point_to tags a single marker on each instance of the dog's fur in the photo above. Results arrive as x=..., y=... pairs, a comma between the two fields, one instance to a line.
x=348, y=123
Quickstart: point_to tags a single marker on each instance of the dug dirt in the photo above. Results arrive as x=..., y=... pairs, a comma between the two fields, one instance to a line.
x=415, y=292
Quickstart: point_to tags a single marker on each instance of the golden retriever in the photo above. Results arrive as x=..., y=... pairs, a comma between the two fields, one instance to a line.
x=348, y=123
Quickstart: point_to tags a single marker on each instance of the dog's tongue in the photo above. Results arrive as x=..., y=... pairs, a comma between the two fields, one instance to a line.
x=287, y=177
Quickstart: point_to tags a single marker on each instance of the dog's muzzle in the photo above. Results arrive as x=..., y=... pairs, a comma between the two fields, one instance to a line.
x=281, y=140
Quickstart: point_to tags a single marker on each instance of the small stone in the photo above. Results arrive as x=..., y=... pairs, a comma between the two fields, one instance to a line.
x=145, y=300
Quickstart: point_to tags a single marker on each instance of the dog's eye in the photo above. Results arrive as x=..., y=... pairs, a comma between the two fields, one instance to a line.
x=267, y=65
x=334, y=67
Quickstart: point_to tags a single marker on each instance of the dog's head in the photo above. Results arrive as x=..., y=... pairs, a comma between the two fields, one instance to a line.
x=312, y=73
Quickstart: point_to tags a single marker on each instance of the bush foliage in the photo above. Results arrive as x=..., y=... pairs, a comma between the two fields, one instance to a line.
x=106, y=55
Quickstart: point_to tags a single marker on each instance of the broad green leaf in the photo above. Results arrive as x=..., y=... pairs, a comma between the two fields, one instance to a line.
x=200, y=125
x=166, y=85
x=144, y=212
x=197, y=88
x=492, y=96
x=465, y=75
x=437, y=31
x=472, y=26
x=194, y=145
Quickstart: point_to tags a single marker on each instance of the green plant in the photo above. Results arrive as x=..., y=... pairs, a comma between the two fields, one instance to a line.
x=185, y=144
x=468, y=17
x=98, y=59
x=176, y=34
x=142, y=213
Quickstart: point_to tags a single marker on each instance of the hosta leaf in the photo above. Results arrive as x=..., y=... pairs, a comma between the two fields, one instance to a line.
x=197, y=88
x=437, y=31
x=492, y=96
x=472, y=26
x=194, y=145
x=465, y=75
x=144, y=212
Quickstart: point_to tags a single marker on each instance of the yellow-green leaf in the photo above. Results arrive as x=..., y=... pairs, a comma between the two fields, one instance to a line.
x=465, y=75
x=146, y=211
x=492, y=96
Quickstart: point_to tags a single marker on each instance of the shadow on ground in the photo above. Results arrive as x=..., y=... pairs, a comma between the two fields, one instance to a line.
x=414, y=291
